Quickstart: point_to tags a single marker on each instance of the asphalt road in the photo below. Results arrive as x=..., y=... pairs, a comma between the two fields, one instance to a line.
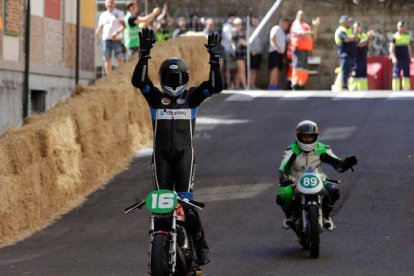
x=239, y=142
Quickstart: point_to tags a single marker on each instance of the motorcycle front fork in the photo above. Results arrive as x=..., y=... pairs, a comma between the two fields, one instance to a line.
x=305, y=220
x=172, y=252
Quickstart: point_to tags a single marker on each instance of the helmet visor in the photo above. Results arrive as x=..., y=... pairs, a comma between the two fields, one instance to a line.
x=174, y=80
x=307, y=138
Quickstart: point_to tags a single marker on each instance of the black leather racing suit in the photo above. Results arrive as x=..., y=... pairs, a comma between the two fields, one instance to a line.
x=173, y=120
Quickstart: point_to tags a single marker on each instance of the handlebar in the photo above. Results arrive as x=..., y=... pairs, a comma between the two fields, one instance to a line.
x=138, y=204
x=197, y=204
x=333, y=180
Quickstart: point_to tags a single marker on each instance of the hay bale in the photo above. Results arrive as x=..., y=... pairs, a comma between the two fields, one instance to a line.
x=56, y=159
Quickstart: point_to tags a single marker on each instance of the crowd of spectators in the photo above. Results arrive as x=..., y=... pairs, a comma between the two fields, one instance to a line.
x=289, y=44
x=233, y=31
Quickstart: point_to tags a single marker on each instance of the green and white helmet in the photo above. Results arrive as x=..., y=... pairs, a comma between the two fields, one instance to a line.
x=308, y=128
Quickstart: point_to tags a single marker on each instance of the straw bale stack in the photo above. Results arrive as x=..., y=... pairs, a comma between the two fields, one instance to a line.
x=49, y=165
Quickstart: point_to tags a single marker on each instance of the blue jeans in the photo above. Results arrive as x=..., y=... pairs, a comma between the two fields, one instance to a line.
x=110, y=46
x=347, y=66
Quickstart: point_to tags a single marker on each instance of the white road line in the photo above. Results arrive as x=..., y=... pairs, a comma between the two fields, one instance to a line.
x=403, y=94
x=249, y=95
x=337, y=133
x=220, y=193
x=297, y=94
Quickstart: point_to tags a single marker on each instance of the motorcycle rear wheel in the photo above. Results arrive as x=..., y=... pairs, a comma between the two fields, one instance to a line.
x=314, y=231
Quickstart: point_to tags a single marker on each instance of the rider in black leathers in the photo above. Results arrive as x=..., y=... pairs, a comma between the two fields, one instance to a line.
x=174, y=112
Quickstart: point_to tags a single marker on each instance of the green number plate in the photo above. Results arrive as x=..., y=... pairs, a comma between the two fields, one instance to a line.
x=161, y=201
x=309, y=181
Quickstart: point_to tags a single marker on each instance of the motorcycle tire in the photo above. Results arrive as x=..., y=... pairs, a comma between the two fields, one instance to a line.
x=313, y=217
x=160, y=255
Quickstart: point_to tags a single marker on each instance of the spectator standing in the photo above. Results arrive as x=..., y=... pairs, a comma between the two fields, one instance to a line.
x=256, y=51
x=289, y=51
x=400, y=54
x=360, y=70
x=346, y=43
x=111, y=25
x=133, y=24
x=277, y=48
x=160, y=26
x=181, y=29
x=226, y=42
x=302, y=37
x=195, y=23
x=240, y=51
x=210, y=26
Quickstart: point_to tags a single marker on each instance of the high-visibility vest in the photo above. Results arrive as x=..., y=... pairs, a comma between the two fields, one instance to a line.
x=131, y=33
x=402, y=41
x=348, y=31
x=362, y=36
x=362, y=52
x=301, y=43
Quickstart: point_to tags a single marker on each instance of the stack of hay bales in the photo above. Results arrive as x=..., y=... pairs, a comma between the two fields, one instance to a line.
x=49, y=165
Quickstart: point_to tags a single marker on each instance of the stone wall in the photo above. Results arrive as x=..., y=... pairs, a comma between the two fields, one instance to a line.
x=52, y=52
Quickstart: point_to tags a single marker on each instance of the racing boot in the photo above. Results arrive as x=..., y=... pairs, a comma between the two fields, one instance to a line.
x=202, y=249
x=288, y=222
x=327, y=220
x=328, y=224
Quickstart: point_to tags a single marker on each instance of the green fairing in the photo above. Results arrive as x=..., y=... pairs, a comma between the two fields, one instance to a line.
x=286, y=193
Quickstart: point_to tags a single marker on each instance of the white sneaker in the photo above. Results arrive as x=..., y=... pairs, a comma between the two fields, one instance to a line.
x=287, y=222
x=328, y=224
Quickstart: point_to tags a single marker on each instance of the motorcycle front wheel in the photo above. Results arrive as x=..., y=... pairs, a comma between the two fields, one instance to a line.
x=159, y=255
x=314, y=231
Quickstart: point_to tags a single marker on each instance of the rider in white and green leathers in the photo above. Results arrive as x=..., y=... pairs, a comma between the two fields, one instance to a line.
x=308, y=151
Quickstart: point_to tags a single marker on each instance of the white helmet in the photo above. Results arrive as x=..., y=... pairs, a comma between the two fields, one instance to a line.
x=307, y=128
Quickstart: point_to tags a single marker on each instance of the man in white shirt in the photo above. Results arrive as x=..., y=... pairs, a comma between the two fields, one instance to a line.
x=111, y=25
x=277, y=49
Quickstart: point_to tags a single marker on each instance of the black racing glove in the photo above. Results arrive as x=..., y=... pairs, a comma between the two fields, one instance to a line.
x=348, y=163
x=146, y=41
x=214, y=48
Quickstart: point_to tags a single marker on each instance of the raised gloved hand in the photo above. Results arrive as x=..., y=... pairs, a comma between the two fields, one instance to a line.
x=214, y=48
x=146, y=41
x=349, y=162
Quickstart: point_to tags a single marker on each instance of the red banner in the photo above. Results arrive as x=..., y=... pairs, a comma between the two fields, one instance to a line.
x=52, y=9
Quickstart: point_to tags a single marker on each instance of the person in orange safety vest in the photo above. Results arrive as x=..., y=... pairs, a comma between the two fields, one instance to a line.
x=302, y=37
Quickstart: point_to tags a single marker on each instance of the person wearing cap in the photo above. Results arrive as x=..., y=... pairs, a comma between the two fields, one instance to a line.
x=400, y=54
x=302, y=37
x=346, y=43
x=134, y=23
x=359, y=74
x=111, y=25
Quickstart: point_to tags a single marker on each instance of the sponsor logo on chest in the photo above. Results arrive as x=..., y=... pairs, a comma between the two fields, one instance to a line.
x=165, y=101
x=173, y=114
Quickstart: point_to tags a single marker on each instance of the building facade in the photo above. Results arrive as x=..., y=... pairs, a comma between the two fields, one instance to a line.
x=52, y=54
